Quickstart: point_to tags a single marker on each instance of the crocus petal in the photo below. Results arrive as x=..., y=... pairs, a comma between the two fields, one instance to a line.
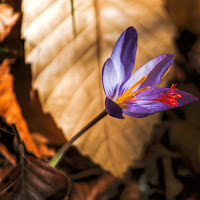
x=109, y=78
x=146, y=105
x=155, y=70
x=113, y=109
x=124, y=53
x=138, y=112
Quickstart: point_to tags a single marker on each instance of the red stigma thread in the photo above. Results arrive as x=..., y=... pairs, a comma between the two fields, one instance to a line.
x=170, y=97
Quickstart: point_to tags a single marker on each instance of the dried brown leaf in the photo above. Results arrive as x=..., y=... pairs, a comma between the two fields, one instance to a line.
x=45, y=151
x=11, y=158
x=173, y=186
x=7, y=20
x=131, y=192
x=185, y=14
x=67, y=76
x=4, y=171
x=182, y=138
x=34, y=179
x=10, y=109
x=41, y=143
x=104, y=188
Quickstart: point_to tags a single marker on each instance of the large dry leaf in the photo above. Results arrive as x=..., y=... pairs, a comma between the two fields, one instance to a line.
x=66, y=70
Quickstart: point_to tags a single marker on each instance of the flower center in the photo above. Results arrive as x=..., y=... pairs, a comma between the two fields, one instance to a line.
x=127, y=96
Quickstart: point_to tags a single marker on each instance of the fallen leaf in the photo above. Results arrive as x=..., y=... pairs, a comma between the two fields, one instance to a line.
x=11, y=158
x=104, y=188
x=10, y=109
x=35, y=180
x=173, y=186
x=185, y=14
x=131, y=192
x=47, y=152
x=32, y=178
x=7, y=20
x=152, y=182
x=7, y=143
x=66, y=69
x=182, y=139
x=4, y=171
x=41, y=143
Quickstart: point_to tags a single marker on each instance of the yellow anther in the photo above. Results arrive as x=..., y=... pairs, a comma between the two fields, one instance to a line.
x=124, y=98
x=165, y=73
x=135, y=85
x=127, y=95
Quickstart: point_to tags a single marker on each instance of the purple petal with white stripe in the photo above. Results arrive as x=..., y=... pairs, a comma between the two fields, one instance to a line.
x=155, y=70
x=124, y=53
x=109, y=78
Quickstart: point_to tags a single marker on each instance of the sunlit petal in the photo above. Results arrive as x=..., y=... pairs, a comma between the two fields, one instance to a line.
x=124, y=53
x=154, y=70
x=109, y=78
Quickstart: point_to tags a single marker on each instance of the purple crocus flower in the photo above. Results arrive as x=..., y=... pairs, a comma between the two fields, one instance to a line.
x=136, y=95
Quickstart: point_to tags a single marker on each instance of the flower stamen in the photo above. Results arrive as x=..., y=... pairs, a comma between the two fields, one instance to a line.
x=128, y=95
x=135, y=85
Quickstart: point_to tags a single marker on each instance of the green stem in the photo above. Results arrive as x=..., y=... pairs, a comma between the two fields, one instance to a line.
x=61, y=152
x=73, y=17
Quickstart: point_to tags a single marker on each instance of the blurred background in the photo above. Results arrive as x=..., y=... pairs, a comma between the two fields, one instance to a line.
x=54, y=88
